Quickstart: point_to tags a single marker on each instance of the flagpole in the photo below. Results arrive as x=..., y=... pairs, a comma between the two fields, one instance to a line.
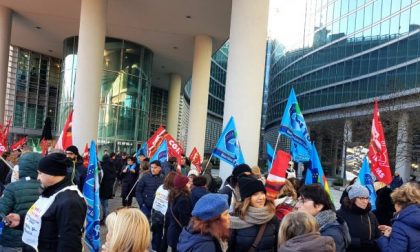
x=207, y=163
x=134, y=186
x=275, y=150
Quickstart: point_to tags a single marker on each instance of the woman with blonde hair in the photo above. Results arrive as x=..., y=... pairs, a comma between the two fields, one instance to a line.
x=255, y=227
x=404, y=235
x=128, y=231
x=299, y=231
x=286, y=200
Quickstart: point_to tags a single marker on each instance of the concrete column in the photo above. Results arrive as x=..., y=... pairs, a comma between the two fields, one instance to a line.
x=173, y=104
x=245, y=75
x=199, y=93
x=404, y=147
x=5, y=33
x=89, y=71
x=347, y=138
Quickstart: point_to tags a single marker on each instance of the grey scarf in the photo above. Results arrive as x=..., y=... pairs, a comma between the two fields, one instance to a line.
x=253, y=216
x=325, y=217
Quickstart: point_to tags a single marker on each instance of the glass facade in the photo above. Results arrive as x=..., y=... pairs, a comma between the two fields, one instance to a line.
x=125, y=92
x=32, y=92
x=351, y=50
x=216, y=97
x=158, y=109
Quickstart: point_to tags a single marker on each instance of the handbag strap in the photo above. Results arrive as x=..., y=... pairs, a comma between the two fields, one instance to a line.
x=176, y=219
x=258, y=238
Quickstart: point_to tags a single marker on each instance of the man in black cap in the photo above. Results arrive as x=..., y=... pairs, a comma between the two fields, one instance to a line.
x=76, y=171
x=55, y=221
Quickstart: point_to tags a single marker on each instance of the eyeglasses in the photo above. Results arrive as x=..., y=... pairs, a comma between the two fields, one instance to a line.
x=302, y=200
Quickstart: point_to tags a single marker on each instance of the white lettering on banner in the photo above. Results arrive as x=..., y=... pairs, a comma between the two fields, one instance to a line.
x=175, y=146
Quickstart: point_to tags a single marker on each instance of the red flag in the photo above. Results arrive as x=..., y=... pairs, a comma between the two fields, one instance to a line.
x=44, y=147
x=86, y=156
x=195, y=159
x=66, y=139
x=277, y=176
x=18, y=144
x=174, y=148
x=154, y=141
x=378, y=153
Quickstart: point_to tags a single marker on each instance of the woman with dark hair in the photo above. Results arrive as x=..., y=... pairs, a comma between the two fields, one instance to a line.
x=159, y=225
x=404, y=235
x=362, y=223
x=314, y=200
x=179, y=209
x=255, y=228
x=209, y=226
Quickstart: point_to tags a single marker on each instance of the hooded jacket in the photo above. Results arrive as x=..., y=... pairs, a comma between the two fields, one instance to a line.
x=190, y=241
x=19, y=196
x=307, y=243
x=405, y=235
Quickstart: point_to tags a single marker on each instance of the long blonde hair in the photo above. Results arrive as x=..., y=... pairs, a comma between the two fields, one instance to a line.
x=296, y=223
x=129, y=230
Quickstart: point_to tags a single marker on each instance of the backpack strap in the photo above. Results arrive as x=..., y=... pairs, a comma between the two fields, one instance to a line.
x=257, y=241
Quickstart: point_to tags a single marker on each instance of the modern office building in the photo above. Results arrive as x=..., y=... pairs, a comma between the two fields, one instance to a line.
x=114, y=52
x=350, y=53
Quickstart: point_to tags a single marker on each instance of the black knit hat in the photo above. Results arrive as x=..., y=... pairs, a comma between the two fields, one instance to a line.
x=54, y=164
x=74, y=150
x=239, y=169
x=249, y=185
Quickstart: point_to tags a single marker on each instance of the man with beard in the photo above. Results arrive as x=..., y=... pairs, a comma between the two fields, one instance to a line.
x=76, y=171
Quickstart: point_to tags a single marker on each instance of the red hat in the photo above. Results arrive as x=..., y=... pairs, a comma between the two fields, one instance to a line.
x=180, y=181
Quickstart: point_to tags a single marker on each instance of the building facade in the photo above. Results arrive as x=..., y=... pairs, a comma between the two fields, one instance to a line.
x=33, y=82
x=351, y=53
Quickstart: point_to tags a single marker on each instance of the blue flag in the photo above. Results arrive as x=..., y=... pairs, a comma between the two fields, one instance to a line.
x=228, y=148
x=293, y=126
x=315, y=173
x=365, y=179
x=270, y=155
x=141, y=151
x=91, y=194
x=162, y=153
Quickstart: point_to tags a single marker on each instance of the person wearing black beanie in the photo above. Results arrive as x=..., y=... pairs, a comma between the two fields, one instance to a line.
x=254, y=217
x=56, y=223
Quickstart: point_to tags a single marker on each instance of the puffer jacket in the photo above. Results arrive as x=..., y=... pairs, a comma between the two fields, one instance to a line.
x=146, y=188
x=20, y=196
x=405, y=235
x=190, y=241
x=339, y=231
x=242, y=239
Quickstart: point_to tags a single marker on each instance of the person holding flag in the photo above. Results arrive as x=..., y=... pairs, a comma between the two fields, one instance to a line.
x=55, y=221
x=129, y=176
x=365, y=179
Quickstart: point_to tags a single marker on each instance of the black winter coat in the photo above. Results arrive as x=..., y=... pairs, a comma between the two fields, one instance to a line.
x=181, y=209
x=62, y=224
x=363, y=227
x=128, y=181
x=108, y=179
x=241, y=240
x=196, y=194
x=384, y=211
x=146, y=188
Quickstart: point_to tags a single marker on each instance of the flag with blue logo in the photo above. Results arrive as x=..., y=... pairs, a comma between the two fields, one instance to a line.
x=315, y=173
x=91, y=194
x=365, y=179
x=270, y=156
x=141, y=151
x=293, y=126
x=228, y=148
x=162, y=153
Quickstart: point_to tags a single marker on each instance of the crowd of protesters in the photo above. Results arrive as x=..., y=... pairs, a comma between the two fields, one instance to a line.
x=182, y=210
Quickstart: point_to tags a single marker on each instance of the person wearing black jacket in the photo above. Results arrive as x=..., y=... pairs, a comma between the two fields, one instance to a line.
x=362, y=223
x=55, y=221
x=129, y=176
x=107, y=183
x=76, y=171
x=147, y=186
